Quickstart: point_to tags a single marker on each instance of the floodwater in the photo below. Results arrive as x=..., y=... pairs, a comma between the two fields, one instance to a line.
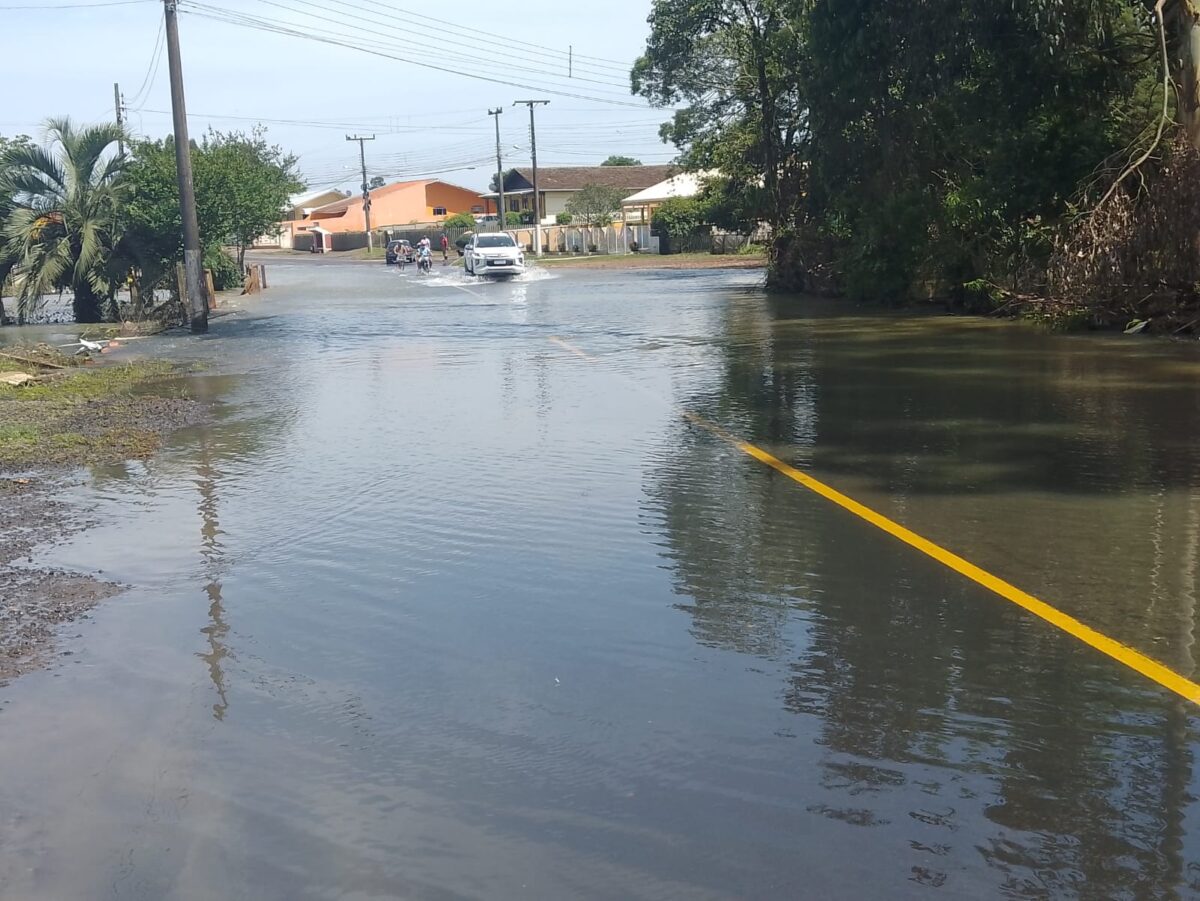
x=440, y=608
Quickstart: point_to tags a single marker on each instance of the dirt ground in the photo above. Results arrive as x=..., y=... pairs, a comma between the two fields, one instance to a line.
x=49, y=429
x=35, y=602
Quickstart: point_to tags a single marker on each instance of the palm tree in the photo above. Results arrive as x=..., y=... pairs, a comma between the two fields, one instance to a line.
x=63, y=221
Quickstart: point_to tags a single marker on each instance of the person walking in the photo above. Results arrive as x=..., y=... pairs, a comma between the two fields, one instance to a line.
x=445, y=251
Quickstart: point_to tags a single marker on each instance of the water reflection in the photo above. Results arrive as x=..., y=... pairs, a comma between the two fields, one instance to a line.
x=945, y=715
x=231, y=443
x=211, y=551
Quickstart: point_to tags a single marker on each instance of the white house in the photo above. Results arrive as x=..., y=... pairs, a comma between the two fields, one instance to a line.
x=557, y=184
x=640, y=207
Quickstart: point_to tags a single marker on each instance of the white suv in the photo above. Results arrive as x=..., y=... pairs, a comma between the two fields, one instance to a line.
x=493, y=255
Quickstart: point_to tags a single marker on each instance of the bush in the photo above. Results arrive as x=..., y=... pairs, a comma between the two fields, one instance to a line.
x=563, y=218
x=678, y=217
x=459, y=220
x=512, y=220
x=224, y=268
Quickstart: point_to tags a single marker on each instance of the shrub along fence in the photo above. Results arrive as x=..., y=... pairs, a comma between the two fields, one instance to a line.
x=556, y=239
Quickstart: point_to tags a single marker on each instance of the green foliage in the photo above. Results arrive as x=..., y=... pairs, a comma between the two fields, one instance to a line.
x=247, y=181
x=594, y=205
x=242, y=184
x=494, y=184
x=921, y=146
x=459, y=220
x=61, y=216
x=513, y=220
x=678, y=217
x=226, y=272
x=564, y=218
x=616, y=160
x=377, y=181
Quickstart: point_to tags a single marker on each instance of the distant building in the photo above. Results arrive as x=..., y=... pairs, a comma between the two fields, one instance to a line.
x=640, y=207
x=557, y=184
x=402, y=203
x=301, y=205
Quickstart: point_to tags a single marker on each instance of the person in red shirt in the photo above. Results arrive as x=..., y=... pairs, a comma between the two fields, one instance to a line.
x=445, y=250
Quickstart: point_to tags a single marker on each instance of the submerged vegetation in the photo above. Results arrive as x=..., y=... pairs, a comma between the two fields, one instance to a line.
x=1016, y=153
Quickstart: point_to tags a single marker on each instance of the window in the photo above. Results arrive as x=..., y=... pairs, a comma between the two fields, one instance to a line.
x=478, y=208
x=439, y=211
x=495, y=241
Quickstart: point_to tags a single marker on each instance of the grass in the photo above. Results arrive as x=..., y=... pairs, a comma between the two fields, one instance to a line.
x=375, y=253
x=86, y=383
x=83, y=415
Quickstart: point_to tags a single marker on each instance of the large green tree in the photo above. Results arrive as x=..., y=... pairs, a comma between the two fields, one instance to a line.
x=248, y=181
x=242, y=185
x=595, y=204
x=63, y=217
x=912, y=148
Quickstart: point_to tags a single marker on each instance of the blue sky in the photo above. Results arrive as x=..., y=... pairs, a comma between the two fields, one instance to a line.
x=310, y=94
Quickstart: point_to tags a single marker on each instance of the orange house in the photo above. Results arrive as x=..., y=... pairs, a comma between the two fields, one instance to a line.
x=402, y=203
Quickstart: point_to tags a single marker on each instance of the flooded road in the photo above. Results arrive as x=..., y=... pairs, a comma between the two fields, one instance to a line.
x=441, y=608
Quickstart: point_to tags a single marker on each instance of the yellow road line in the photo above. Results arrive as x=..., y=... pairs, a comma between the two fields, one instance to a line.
x=1135, y=660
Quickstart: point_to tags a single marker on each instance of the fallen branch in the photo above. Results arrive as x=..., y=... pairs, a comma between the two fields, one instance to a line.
x=32, y=362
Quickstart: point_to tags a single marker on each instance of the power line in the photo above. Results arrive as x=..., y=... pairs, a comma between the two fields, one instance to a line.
x=558, y=56
x=522, y=62
x=49, y=7
x=262, y=25
x=334, y=124
x=491, y=35
x=151, y=70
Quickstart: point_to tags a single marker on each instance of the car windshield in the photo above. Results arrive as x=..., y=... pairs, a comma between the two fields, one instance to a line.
x=495, y=241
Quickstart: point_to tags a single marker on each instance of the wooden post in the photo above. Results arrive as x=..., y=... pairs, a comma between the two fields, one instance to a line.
x=262, y=275
x=212, y=289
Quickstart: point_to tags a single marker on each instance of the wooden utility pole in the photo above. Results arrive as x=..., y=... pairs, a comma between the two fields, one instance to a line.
x=120, y=117
x=366, y=188
x=497, y=112
x=537, y=198
x=192, y=265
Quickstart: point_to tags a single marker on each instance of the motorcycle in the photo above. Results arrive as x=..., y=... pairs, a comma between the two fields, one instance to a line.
x=425, y=264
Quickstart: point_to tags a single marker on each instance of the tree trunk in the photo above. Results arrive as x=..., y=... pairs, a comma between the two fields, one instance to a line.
x=786, y=271
x=1187, y=20
x=87, y=306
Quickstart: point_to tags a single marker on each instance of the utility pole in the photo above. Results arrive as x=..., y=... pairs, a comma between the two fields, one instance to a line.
x=366, y=188
x=192, y=266
x=537, y=198
x=120, y=117
x=499, y=166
